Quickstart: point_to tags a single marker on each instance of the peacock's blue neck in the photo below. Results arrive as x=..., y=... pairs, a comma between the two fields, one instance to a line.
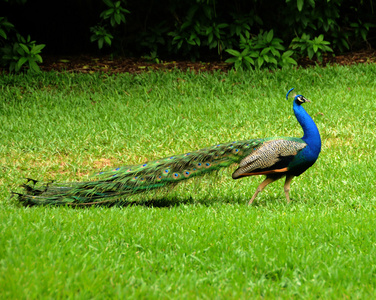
x=311, y=133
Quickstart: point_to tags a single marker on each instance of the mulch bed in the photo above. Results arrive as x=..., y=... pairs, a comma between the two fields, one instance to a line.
x=90, y=64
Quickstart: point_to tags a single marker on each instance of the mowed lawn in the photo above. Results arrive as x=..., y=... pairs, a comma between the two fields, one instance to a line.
x=199, y=239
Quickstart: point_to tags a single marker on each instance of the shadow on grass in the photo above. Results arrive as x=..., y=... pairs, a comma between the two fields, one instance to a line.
x=170, y=201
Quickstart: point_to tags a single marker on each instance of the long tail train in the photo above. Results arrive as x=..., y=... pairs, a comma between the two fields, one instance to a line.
x=130, y=180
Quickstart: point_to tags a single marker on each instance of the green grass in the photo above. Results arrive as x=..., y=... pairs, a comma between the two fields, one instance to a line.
x=200, y=240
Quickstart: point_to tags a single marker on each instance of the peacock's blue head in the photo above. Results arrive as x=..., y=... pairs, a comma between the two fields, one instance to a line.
x=298, y=99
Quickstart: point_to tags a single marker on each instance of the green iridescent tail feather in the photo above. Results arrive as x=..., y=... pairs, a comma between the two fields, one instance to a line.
x=114, y=185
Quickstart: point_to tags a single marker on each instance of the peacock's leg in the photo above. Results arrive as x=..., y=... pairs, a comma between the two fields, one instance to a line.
x=263, y=184
x=287, y=187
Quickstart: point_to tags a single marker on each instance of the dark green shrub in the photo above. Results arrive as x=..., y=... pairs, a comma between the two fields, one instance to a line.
x=307, y=47
x=16, y=51
x=263, y=50
x=22, y=52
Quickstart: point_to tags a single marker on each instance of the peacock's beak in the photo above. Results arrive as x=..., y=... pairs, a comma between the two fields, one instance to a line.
x=307, y=100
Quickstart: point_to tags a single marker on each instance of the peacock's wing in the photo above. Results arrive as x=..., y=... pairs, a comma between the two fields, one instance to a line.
x=273, y=156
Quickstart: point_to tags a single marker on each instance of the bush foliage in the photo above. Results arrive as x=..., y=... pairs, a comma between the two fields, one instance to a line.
x=250, y=34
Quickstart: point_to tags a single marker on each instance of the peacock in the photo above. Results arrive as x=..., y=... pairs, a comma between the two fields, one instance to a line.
x=273, y=157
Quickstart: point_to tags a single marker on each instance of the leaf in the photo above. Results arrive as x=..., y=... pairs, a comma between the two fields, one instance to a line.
x=363, y=33
x=117, y=18
x=107, y=40
x=16, y=67
x=233, y=52
x=300, y=4
x=198, y=41
x=320, y=38
x=326, y=48
x=312, y=3
x=273, y=60
x=238, y=30
x=222, y=25
x=12, y=66
x=260, y=61
x=244, y=52
x=7, y=24
x=180, y=44
x=278, y=46
x=210, y=38
x=238, y=65
x=254, y=54
x=24, y=48
x=250, y=60
x=287, y=53
x=178, y=37
x=19, y=50
x=310, y=53
x=34, y=67
x=231, y=60
x=265, y=51
x=345, y=44
x=185, y=25
x=20, y=62
x=315, y=48
x=100, y=43
x=242, y=39
x=108, y=3
x=3, y=34
x=37, y=49
x=290, y=61
x=246, y=64
x=217, y=34
x=38, y=58
x=122, y=17
x=269, y=36
x=275, y=52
